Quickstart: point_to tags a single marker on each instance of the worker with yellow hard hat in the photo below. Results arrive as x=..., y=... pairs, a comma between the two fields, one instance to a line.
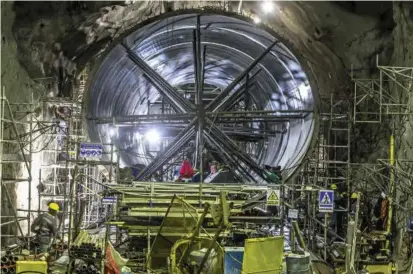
x=45, y=227
x=337, y=218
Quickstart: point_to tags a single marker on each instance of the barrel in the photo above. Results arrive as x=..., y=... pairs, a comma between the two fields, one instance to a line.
x=298, y=264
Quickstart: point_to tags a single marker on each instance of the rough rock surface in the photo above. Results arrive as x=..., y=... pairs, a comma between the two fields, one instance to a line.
x=18, y=88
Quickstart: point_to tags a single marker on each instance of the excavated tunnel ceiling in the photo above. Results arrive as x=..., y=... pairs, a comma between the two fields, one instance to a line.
x=278, y=102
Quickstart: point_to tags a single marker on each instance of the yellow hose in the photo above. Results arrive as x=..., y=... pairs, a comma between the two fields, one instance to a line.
x=391, y=188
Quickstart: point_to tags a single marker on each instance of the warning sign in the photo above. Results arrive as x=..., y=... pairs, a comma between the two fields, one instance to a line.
x=326, y=201
x=273, y=197
x=293, y=213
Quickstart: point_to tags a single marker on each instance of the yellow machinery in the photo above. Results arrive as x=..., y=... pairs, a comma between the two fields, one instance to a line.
x=203, y=254
x=381, y=268
x=181, y=258
x=34, y=267
x=156, y=216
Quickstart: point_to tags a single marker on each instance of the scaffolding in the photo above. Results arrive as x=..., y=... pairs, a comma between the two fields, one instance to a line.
x=16, y=147
x=65, y=177
x=382, y=101
x=327, y=168
x=386, y=101
x=389, y=95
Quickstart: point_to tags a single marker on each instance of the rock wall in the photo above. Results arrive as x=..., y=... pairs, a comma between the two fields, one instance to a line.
x=403, y=56
x=18, y=88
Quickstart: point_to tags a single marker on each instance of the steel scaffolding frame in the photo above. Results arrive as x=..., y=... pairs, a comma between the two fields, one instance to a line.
x=79, y=182
x=376, y=176
x=390, y=94
x=56, y=170
x=61, y=172
x=328, y=164
x=21, y=127
x=389, y=98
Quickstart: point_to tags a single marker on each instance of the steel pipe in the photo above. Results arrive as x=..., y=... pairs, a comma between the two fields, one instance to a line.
x=5, y=260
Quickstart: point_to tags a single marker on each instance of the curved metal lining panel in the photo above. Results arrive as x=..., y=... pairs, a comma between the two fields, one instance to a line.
x=119, y=88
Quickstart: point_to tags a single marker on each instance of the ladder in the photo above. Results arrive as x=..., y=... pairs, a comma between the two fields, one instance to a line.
x=335, y=128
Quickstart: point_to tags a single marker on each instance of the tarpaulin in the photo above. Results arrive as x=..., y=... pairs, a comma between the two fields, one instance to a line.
x=114, y=262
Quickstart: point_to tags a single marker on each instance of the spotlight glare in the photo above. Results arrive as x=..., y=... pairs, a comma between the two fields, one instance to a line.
x=268, y=6
x=152, y=136
x=256, y=20
x=112, y=132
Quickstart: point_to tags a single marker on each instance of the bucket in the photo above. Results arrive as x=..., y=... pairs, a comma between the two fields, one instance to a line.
x=298, y=264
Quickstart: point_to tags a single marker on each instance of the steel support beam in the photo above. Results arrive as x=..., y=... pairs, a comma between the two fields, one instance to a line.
x=282, y=115
x=198, y=62
x=170, y=151
x=237, y=94
x=138, y=119
x=228, y=159
x=230, y=146
x=180, y=104
x=212, y=105
x=199, y=83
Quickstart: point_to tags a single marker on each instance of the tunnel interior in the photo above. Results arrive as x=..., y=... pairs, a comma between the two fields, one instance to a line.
x=272, y=119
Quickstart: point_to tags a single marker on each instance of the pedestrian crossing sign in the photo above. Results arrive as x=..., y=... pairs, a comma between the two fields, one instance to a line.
x=273, y=197
x=326, y=201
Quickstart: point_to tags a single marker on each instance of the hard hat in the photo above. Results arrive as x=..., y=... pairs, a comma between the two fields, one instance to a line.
x=354, y=195
x=54, y=206
x=333, y=186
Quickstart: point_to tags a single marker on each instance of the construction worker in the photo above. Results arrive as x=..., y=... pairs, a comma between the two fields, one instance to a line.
x=353, y=202
x=45, y=227
x=272, y=174
x=186, y=172
x=337, y=216
x=380, y=212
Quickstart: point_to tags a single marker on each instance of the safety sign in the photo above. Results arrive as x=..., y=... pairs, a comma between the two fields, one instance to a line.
x=292, y=213
x=273, y=197
x=89, y=150
x=326, y=201
x=109, y=200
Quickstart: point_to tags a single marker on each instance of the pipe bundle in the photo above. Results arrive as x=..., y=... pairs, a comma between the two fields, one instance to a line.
x=8, y=263
x=87, y=269
x=88, y=246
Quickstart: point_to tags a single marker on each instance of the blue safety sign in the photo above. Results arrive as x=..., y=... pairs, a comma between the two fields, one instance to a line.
x=326, y=201
x=89, y=150
x=109, y=200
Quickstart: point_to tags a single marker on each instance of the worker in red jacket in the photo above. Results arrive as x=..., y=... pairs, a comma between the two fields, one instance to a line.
x=186, y=172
